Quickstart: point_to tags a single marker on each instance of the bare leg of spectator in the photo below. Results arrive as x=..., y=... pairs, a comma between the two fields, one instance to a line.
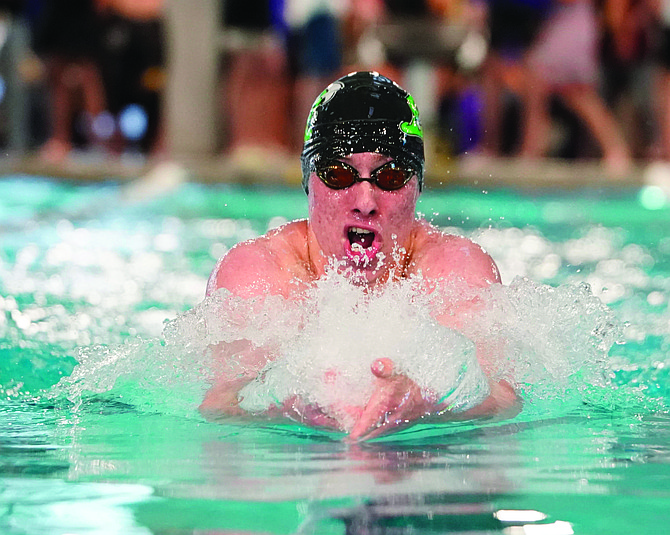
x=66, y=79
x=492, y=92
x=58, y=145
x=92, y=88
x=536, y=120
x=588, y=105
x=258, y=100
x=663, y=114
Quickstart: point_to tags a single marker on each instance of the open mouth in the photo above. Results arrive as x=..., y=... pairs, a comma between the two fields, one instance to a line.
x=364, y=248
x=360, y=238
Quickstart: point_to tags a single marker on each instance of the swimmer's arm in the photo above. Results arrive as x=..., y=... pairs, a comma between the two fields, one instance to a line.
x=222, y=398
x=247, y=270
x=250, y=269
x=471, y=263
x=397, y=400
x=456, y=257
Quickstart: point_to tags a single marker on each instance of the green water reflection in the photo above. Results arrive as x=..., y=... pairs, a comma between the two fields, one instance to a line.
x=80, y=266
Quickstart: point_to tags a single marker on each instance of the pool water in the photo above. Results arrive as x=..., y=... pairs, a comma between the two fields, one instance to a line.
x=87, y=274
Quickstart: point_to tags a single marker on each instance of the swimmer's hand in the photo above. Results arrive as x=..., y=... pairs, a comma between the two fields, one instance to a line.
x=399, y=402
x=396, y=402
x=222, y=400
x=298, y=410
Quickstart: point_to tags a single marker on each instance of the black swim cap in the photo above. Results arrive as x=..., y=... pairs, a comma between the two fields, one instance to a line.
x=363, y=112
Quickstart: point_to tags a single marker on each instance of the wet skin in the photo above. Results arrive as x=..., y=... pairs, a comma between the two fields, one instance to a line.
x=287, y=260
x=386, y=217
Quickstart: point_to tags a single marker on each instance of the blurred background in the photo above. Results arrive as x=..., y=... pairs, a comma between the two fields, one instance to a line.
x=521, y=91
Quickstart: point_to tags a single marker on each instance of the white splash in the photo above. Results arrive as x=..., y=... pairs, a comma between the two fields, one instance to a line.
x=551, y=339
x=345, y=329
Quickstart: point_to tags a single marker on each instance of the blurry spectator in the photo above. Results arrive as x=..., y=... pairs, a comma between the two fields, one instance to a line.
x=67, y=38
x=358, y=28
x=413, y=33
x=409, y=32
x=363, y=46
x=626, y=63
x=432, y=47
x=661, y=11
x=564, y=60
x=256, y=85
x=14, y=52
x=132, y=66
x=314, y=44
x=512, y=27
x=459, y=94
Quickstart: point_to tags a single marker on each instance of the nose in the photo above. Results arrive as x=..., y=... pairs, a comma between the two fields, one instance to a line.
x=365, y=198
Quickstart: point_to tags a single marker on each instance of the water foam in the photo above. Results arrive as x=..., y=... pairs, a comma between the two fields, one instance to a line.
x=554, y=340
x=345, y=328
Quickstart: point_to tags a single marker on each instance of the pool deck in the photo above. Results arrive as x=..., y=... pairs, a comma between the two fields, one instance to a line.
x=257, y=168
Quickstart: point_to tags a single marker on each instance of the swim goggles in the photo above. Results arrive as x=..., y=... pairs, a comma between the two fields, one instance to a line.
x=388, y=177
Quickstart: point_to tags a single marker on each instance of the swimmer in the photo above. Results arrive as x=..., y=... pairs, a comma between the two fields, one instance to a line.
x=362, y=171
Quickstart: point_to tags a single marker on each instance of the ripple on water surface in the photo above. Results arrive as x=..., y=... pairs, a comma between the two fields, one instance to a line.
x=87, y=282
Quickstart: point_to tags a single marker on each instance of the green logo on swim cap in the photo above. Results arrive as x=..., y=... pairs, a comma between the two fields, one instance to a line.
x=325, y=96
x=412, y=128
x=310, y=117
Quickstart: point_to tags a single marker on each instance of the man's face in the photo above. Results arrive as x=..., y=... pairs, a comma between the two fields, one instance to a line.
x=362, y=225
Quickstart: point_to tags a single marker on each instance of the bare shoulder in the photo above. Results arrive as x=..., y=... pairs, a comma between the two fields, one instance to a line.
x=267, y=264
x=437, y=254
